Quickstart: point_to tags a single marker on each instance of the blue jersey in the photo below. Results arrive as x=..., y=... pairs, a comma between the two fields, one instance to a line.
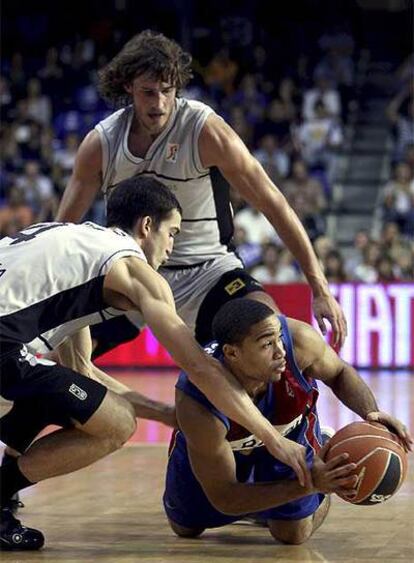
x=290, y=405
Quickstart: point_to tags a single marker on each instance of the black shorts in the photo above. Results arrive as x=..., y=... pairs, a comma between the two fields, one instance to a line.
x=233, y=284
x=43, y=395
x=109, y=334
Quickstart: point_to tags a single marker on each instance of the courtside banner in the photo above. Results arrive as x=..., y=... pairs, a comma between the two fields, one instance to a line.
x=380, y=326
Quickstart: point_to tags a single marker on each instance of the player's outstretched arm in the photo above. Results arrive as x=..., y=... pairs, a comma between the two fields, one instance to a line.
x=220, y=146
x=214, y=466
x=320, y=361
x=85, y=181
x=144, y=289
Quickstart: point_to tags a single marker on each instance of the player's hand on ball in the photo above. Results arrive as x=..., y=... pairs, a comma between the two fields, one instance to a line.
x=334, y=476
x=395, y=426
x=291, y=454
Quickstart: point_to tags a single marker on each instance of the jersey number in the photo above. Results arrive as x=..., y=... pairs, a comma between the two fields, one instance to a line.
x=23, y=237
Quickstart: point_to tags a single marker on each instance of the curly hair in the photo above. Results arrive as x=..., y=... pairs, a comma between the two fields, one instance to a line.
x=146, y=53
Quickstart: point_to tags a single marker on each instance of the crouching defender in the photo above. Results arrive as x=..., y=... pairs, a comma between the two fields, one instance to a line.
x=57, y=278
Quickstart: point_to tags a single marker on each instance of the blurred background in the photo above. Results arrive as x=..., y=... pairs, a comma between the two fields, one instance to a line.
x=321, y=92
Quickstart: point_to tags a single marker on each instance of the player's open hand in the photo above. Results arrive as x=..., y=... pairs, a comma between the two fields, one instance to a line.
x=291, y=454
x=395, y=426
x=326, y=307
x=334, y=476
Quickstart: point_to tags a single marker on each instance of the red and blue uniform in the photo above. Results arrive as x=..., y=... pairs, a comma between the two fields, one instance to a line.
x=290, y=405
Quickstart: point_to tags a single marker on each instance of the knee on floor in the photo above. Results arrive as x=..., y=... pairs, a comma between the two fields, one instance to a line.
x=292, y=533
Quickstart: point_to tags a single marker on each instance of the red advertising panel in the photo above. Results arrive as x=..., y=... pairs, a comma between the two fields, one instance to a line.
x=380, y=326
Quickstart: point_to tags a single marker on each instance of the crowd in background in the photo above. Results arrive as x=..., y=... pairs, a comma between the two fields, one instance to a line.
x=294, y=123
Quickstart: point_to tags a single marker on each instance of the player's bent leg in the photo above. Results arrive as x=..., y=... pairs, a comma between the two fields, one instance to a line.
x=296, y=532
x=263, y=297
x=69, y=449
x=292, y=532
x=184, y=532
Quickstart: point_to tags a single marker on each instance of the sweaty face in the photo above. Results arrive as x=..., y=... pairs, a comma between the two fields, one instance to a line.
x=261, y=355
x=153, y=102
x=159, y=243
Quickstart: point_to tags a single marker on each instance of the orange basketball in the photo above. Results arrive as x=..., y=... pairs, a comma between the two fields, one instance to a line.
x=380, y=457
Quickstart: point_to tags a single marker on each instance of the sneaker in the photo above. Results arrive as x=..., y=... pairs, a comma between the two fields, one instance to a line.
x=15, y=536
x=326, y=432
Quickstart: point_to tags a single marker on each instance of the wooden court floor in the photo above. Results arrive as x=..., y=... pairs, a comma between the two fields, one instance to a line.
x=111, y=512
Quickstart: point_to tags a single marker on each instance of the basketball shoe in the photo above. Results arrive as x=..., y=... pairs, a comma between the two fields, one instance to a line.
x=15, y=536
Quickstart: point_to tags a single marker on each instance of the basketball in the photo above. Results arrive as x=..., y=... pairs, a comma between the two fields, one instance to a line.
x=380, y=457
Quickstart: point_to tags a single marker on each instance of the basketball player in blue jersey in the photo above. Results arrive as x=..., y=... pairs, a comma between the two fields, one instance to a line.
x=218, y=471
x=61, y=274
x=186, y=145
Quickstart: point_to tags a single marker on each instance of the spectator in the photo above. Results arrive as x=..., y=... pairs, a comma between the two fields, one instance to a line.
x=336, y=67
x=273, y=158
x=322, y=246
x=367, y=270
x=400, y=113
x=250, y=98
x=290, y=97
x=324, y=92
x=317, y=138
x=249, y=252
x=277, y=122
x=277, y=266
x=64, y=160
x=334, y=267
x=306, y=196
x=22, y=123
x=409, y=157
x=15, y=215
x=5, y=98
x=361, y=241
x=51, y=71
x=385, y=269
x=405, y=265
x=258, y=228
x=39, y=107
x=238, y=121
x=38, y=192
x=220, y=75
x=398, y=199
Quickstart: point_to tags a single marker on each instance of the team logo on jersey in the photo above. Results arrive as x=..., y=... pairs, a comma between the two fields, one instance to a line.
x=78, y=392
x=172, y=152
x=234, y=286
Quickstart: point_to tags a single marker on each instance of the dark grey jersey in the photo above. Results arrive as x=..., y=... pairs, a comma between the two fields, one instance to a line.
x=51, y=280
x=174, y=159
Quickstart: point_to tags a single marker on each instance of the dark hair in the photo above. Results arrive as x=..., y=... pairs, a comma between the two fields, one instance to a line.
x=146, y=53
x=137, y=197
x=233, y=321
